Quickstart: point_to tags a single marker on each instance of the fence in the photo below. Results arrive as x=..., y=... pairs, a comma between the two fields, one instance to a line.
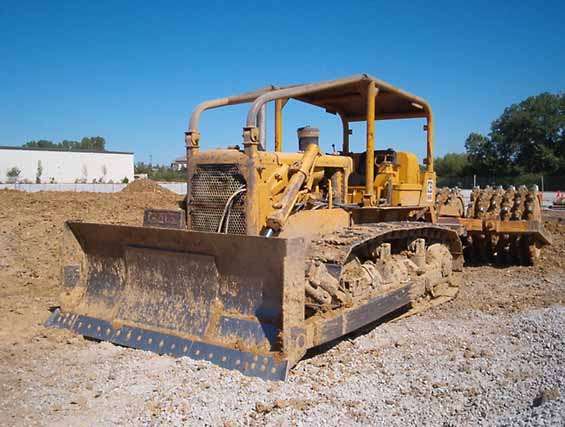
x=177, y=187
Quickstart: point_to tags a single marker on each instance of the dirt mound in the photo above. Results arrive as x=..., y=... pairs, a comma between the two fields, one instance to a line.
x=552, y=256
x=554, y=215
x=31, y=226
x=145, y=186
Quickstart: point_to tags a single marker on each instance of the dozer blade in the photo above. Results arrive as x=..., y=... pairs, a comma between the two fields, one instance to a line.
x=236, y=301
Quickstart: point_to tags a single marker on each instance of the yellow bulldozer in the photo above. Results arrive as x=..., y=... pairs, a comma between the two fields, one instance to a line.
x=279, y=252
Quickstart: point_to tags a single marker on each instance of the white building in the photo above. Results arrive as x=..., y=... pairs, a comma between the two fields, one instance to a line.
x=62, y=166
x=179, y=163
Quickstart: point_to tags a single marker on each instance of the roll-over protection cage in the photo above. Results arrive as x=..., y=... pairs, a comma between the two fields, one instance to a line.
x=356, y=98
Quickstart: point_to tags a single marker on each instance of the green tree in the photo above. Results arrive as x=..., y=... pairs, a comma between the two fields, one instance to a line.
x=452, y=164
x=42, y=143
x=481, y=153
x=529, y=137
x=160, y=173
x=13, y=174
x=69, y=145
x=93, y=143
x=531, y=134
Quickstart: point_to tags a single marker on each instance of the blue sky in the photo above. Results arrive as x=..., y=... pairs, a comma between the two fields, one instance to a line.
x=133, y=71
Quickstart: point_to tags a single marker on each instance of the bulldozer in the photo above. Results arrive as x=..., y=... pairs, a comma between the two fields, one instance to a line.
x=277, y=252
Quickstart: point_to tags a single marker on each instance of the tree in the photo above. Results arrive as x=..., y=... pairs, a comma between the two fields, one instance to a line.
x=531, y=134
x=39, y=172
x=160, y=173
x=13, y=174
x=142, y=167
x=529, y=137
x=69, y=145
x=452, y=164
x=93, y=143
x=481, y=153
x=42, y=143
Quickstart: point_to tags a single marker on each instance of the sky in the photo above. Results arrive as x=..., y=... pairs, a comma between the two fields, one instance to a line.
x=133, y=71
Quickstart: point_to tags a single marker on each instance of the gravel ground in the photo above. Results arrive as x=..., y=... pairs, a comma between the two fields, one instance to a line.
x=493, y=356
x=432, y=369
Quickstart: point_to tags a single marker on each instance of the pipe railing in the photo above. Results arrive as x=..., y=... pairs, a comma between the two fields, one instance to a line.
x=193, y=134
x=295, y=91
x=369, y=195
x=261, y=97
x=251, y=136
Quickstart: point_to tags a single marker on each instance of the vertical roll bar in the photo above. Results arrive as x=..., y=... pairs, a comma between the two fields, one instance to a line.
x=346, y=133
x=279, y=105
x=262, y=119
x=429, y=142
x=369, y=195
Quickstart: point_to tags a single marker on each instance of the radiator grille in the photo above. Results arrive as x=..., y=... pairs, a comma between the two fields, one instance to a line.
x=210, y=188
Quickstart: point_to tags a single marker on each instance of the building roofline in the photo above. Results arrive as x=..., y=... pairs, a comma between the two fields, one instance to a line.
x=7, y=147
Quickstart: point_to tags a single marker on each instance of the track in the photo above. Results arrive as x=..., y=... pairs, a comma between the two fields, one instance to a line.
x=349, y=266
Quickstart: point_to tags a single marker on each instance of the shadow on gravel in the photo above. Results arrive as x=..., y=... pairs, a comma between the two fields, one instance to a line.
x=313, y=352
